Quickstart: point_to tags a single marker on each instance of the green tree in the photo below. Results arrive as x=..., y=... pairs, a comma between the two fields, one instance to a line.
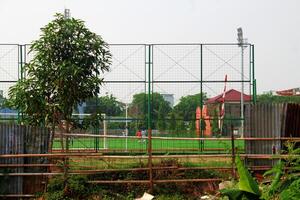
x=172, y=122
x=139, y=108
x=161, y=121
x=2, y=100
x=215, y=123
x=180, y=126
x=186, y=108
x=192, y=125
x=64, y=72
x=105, y=104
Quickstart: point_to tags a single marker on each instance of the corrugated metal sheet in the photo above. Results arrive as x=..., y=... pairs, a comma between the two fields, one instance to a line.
x=292, y=125
x=11, y=142
x=264, y=121
x=17, y=139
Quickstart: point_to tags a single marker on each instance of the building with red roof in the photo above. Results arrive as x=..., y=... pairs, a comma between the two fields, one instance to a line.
x=232, y=107
x=231, y=96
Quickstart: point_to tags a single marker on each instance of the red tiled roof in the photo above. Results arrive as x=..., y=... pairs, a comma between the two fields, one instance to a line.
x=230, y=96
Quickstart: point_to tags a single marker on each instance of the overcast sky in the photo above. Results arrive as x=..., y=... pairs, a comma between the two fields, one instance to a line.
x=273, y=26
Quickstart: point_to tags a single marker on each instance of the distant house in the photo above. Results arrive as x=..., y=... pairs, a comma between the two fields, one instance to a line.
x=232, y=102
x=289, y=92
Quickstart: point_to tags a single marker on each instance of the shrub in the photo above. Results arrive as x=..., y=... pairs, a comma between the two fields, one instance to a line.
x=75, y=188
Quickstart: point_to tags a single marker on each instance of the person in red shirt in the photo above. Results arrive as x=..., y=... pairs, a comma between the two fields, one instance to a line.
x=139, y=134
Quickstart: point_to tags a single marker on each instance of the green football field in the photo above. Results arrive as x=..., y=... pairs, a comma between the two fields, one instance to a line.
x=136, y=144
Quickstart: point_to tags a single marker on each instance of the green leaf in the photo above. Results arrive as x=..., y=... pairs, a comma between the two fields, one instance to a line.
x=63, y=72
x=236, y=194
x=232, y=194
x=276, y=172
x=246, y=182
x=292, y=192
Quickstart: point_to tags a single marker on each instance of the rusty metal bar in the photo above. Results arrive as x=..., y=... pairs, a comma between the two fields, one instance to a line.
x=81, y=150
x=120, y=181
x=141, y=169
x=145, y=169
x=28, y=165
x=17, y=196
x=33, y=174
x=62, y=155
x=132, y=169
x=155, y=181
x=84, y=172
x=188, y=180
x=182, y=138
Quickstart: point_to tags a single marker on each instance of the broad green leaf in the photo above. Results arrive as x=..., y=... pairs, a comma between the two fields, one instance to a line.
x=232, y=194
x=246, y=182
x=292, y=192
x=277, y=172
x=236, y=194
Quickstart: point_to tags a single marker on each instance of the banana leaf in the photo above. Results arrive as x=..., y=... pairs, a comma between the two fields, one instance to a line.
x=246, y=182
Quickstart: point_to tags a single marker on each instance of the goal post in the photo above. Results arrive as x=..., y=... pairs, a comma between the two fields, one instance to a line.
x=99, y=128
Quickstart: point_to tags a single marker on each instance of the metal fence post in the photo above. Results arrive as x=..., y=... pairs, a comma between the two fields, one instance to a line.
x=21, y=73
x=253, y=76
x=201, y=142
x=149, y=122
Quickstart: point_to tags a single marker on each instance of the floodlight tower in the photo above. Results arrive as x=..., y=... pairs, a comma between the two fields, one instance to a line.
x=67, y=13
x=242, y=43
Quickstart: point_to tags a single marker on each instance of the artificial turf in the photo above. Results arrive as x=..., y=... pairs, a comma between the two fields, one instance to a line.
x=157, y=144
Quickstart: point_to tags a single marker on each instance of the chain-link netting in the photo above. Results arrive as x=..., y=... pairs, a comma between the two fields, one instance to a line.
x=153, y=89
